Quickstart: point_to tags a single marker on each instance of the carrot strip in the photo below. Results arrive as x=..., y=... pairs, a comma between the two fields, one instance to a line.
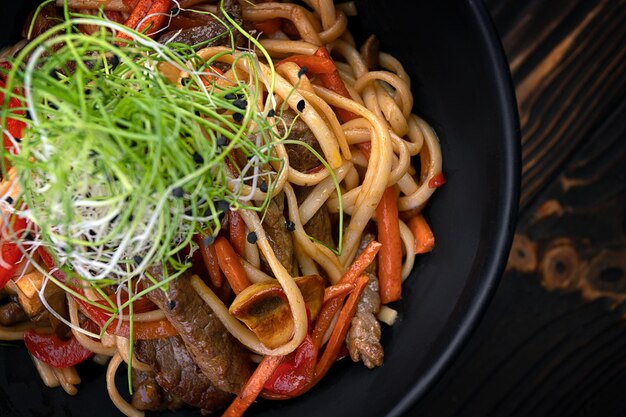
x=337, y=290
x=230, y=265
x=209, y=257
x=151, y=15
x=330, y=308
x=334, y=83
x=338, y=336
x=254, y=386
x=424, y=237
x=237, y=232
x=390, y=259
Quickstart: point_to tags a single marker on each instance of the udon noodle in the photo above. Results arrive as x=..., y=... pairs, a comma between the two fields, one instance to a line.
x=91, y=276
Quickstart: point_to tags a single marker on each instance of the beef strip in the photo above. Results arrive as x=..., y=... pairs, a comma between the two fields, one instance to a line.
x=318, y=226
x=300, y=158
x=178, y=374
x=47, y=17
x=219, y=355
x=280, y=239
x=363, y=338
x=149, y=396
x=211, y=30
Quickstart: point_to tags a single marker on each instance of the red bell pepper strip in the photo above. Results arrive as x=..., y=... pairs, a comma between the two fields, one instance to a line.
x=390, y=257
x=11, y=253
x=315, y=64
x=143, y=330
x=13, y=126
x=437, y=181
x=295, y=372
x=334, y=83
x=55, y=352
x=157, y=329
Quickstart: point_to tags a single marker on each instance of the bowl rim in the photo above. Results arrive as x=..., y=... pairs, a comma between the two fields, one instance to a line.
x=482, y=294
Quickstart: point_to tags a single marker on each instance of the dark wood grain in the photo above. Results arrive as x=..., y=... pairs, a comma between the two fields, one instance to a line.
x=553, y=341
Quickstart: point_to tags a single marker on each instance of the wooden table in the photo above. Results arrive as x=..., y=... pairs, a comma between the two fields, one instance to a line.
x=553, y=340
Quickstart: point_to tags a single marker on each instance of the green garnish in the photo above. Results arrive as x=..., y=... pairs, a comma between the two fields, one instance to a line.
x=119, y=166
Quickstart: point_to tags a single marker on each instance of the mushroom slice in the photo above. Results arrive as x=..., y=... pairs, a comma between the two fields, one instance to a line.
x=264, y=308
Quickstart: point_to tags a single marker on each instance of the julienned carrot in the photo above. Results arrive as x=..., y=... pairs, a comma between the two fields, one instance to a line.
x=338, y=336
x=337, y=290
x=330, y=308
x=334, y=83
x=230, y=265
x=390, y=259
x=150, y=14
x=254, y=386
x=424, y=237
x=237, y=232
x=209, y=256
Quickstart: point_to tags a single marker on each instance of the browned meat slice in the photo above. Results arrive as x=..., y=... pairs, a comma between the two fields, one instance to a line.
x=369, y=51
x=363, y=339
x=300, y=158
x=178, y=374
x=275, y=226
x=47, y=17
x=11, y=314
x=149, y=396
x=319, y=226
x=212, y=31
x=219, y=355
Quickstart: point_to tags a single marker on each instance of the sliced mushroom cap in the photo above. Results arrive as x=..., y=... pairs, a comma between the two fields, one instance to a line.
x=264, y=308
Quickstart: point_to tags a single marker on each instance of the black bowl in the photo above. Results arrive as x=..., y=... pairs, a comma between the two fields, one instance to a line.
x=462, y=87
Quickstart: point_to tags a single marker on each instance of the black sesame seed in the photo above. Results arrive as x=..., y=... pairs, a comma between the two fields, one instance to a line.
x=114, y=61
x=207, y=241
x=171, y=304
x=29, y=237
x=263, y=187
x=197, y=158
x=54, y=74
x=174, y=11
x=186, y=81
x=240, y=104
x=28, y=115
x=92, y=232
x=238, y=117
x=222, y=140
x=271, y=113
x=291, y=226
x=131, y=217
x=252, y=238
x=18, y=140
x=302, y=71
x=93, y=154
x=301, y=105
x=178, y=192
x=9, y=199
x=137, y=259
x=114, y=219
x=222, y=205
x=230, y=96
x=133, y=143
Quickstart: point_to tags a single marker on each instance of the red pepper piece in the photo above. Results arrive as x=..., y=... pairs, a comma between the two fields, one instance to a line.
x=295, y=372
x=437, y=181
x=55, y=352
x=15, y=127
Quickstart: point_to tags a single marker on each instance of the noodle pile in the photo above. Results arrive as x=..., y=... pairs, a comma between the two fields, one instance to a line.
x=360, y=159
